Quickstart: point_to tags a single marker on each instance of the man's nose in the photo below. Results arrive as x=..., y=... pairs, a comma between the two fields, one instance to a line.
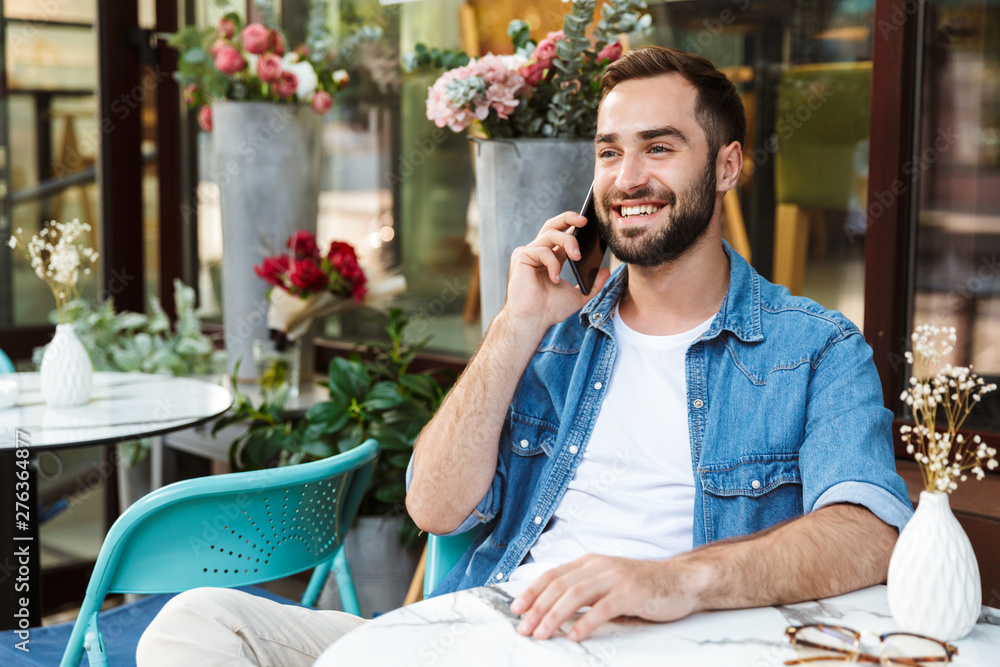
x=631, y=174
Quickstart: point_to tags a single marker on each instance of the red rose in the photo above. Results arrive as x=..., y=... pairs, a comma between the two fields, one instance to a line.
x=303, y=244
x=226, y=28
x=285, y=85
x=256, y=38
x=535, y=73
x=189, y=91
x=277, y=42
x=322, y=101
x=205, y=118
x=308, y=277
x=228, y=60
x=612, y=52
x=273, y=270
x=269, y=67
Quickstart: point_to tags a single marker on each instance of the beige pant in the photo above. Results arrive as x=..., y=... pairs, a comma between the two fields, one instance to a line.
x=225, y=627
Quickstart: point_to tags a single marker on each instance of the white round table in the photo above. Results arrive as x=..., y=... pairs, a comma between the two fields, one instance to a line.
x=475, y=627
x=124, y=406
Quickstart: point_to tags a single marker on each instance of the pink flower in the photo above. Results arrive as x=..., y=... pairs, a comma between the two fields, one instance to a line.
x=216, y=46
x=611, y=52
x=322, y=101
x=308, y=277
x=256, y=38
x=503, y=86
x=226, y=28
x=285, y=85
x=303, y=244
x=205, y=118
x=189, y=91
x=229, y=61
x=269, y=67
x=273, y=270
x=546, y=49
x=535, y=73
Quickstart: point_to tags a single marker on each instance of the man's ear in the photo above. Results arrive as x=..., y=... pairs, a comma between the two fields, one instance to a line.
x=729, y=166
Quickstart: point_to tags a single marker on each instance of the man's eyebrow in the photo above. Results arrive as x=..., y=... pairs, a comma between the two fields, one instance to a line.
x=665, y=131
x=645, y=135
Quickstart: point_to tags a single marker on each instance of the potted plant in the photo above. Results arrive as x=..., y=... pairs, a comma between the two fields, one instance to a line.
x=934, y=585
x=537, y=112
x=61, y=259
x=370, y=396
x=263, y=103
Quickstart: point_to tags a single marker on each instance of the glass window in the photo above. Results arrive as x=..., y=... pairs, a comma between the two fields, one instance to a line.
x=52, y=134
x=957, y=163
x=804, y=72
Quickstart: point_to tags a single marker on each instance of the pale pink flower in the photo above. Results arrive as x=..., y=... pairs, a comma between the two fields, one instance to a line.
x=322, y=101
x=488, y=84
x=256, y=38
x=229, y=61
x=285, y=85
x=205, y=118
x=269, y=67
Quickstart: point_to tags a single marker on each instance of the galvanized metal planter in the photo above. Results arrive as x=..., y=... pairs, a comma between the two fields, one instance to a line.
x=267, y=166
x=521, y=183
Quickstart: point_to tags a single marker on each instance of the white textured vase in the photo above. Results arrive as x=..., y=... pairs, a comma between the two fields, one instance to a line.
x=67, y=375
x=934, y=586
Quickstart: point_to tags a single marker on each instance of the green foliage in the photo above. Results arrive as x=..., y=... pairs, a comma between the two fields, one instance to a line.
x=369, y=398
x=424, y=59
x=128, y=342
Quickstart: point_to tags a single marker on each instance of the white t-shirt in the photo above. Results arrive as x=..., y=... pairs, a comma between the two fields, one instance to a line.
x=633, y=492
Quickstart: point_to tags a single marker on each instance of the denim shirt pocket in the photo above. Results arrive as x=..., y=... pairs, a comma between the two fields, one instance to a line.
x=530, y=436
x=750, y=494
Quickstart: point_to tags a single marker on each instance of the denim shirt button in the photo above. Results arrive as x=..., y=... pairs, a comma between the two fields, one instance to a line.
x=698, y=403
x=524, y=444
x=755, y=484
x=538, y=520
x=573, y=449
x=598, y=385
x=499, y=576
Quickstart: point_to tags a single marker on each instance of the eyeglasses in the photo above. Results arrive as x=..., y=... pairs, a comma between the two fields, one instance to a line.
x=822, y=644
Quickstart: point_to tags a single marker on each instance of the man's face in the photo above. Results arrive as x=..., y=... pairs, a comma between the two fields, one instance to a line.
x=654, y=183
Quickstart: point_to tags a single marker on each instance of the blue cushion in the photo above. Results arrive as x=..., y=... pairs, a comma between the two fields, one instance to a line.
x=121, y=628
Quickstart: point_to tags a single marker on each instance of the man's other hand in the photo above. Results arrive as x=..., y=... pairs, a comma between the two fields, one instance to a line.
x=611, y=587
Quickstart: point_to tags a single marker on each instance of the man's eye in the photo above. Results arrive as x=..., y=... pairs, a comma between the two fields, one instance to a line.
x=607, y=153
x=660, y=149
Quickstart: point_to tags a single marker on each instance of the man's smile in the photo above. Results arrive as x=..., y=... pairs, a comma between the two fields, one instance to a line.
x=630, y=212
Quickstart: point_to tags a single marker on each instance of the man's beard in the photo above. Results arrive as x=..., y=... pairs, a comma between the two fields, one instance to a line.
x=686, y=226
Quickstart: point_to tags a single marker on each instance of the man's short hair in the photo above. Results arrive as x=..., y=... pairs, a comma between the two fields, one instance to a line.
x=719, y=109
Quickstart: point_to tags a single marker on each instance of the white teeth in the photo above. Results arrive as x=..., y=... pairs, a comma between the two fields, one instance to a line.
x=639, y=210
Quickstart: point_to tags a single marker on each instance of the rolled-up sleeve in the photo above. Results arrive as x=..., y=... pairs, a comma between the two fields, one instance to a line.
x=847, y=455
x=484, y=511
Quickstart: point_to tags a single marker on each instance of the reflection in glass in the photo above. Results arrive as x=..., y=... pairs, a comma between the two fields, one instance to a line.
x=957, y=168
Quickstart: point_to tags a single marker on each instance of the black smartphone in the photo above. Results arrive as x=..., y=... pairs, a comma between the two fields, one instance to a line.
x=592, y=246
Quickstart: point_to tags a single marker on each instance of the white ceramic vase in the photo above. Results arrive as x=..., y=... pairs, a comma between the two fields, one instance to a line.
x=67, y=376
x=934, y=586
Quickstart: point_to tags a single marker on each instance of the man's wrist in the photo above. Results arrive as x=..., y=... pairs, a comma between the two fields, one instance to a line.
x=697, y=577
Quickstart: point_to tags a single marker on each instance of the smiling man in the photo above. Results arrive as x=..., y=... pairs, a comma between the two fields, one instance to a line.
x=691, y=437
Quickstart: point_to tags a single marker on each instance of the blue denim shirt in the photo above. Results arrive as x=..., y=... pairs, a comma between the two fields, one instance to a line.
x=785, y=415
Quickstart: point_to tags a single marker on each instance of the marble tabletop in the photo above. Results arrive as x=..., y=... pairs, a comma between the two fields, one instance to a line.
x=476, y=627
x=123, y=406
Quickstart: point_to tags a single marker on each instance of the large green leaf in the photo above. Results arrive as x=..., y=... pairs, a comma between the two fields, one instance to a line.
x=384, y=396
x=392, y=493
x=318, y=448
x=350, y=437
x=329, y=415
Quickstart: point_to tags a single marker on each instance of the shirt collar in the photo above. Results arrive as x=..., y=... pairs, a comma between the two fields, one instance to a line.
x=740, y=311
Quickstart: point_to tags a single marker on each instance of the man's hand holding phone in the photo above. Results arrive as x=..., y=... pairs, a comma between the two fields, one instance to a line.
x=536, y=295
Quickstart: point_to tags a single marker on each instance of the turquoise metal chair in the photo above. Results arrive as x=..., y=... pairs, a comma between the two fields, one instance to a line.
x=5, y=365
x=443, y=552
x=229, y=530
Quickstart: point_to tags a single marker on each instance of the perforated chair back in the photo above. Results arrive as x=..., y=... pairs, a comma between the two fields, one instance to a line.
x=230, y=530
x=443, y=553
x=5, y=364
